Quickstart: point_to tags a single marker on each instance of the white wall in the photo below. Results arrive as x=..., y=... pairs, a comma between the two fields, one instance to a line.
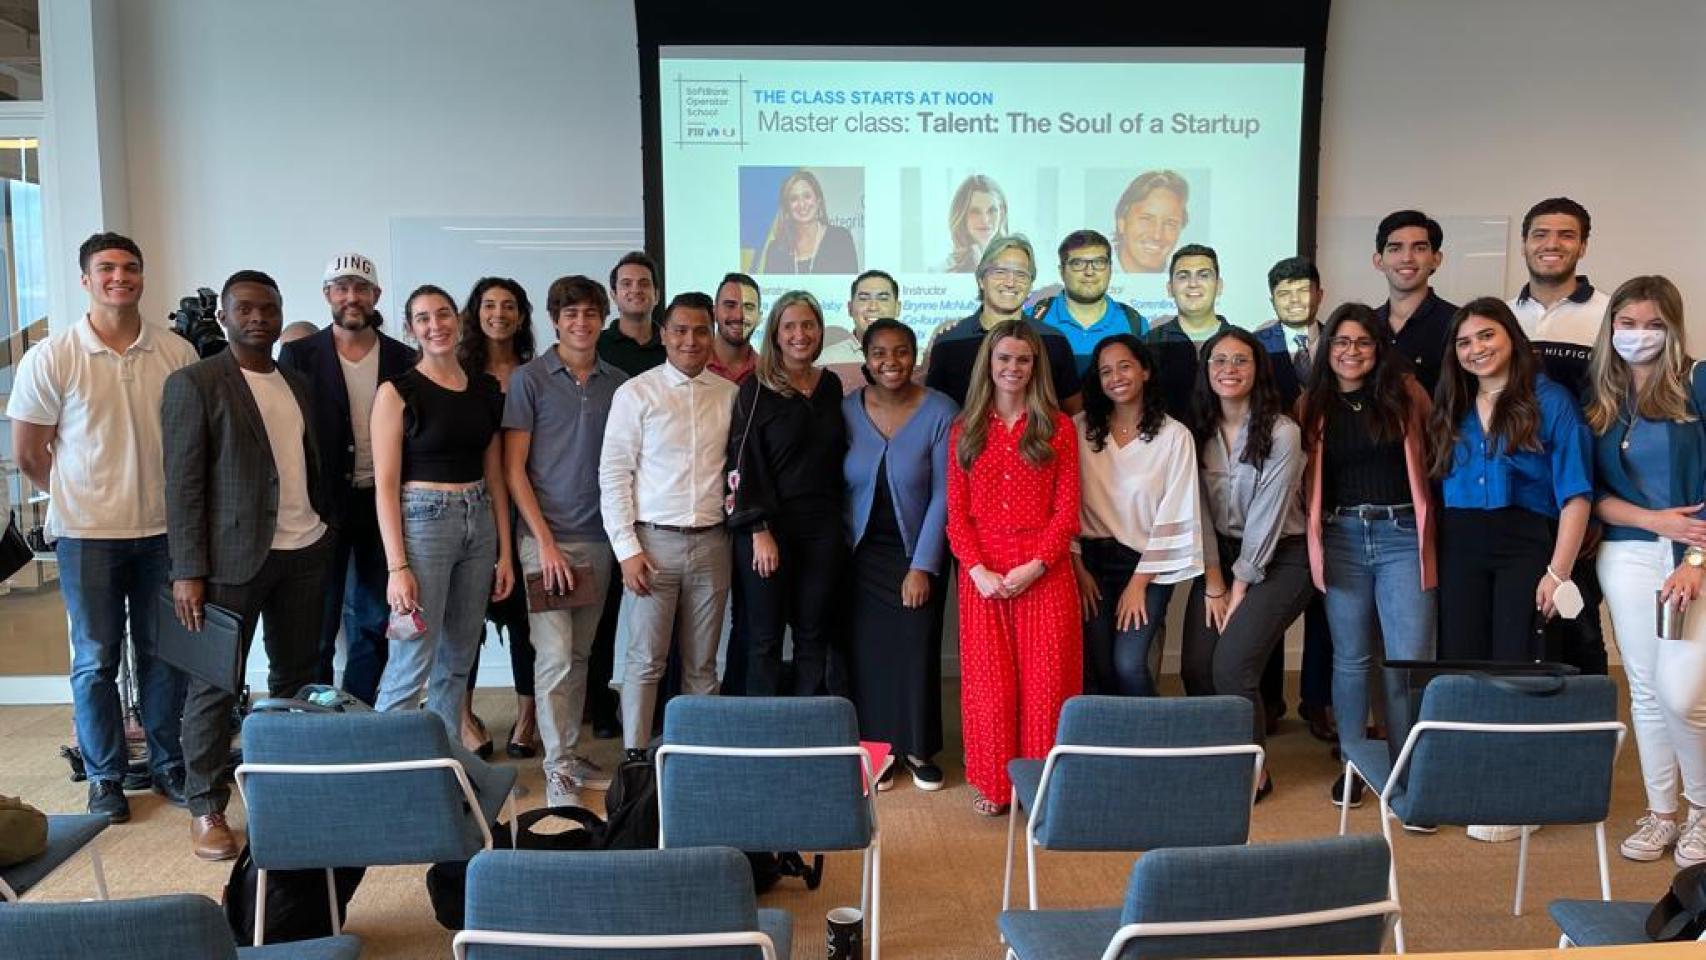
x=1472, y=107
x=274, y=135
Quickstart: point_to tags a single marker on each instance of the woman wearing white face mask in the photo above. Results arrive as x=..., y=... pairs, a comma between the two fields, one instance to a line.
x=1645, y=409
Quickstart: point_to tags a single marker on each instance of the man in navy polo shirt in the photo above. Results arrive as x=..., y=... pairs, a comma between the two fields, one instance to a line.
x=1083, y=312
x=1407, y=249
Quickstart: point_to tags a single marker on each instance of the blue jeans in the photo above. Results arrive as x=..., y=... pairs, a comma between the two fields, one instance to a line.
x=1116, y=662
x=450, y=539
x=1373, y=568
x=107, y=584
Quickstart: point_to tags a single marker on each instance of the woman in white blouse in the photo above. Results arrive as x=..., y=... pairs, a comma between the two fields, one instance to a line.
x=1141, y=532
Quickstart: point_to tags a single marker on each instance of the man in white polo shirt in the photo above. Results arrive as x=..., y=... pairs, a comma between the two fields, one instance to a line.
x=85, y=412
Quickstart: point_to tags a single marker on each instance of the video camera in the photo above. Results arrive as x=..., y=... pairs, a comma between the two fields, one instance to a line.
x=197, y=320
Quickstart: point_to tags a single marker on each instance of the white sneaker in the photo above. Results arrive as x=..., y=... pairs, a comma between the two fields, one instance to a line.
x=1497, y=834
x=1691, y=845
x=589, y=775
x=1652, y=837
x=562, y=790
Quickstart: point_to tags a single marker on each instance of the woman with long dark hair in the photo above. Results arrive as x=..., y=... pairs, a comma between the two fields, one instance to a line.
x=1141, y=527
x=1371, y=519
x=1256, y=565
x=786, y=444
x=801, y=238
x=1645, y=407
x=1513, y=459
x=443, y=510
x=1012, y=515
x=896, y=475
x=497, y=338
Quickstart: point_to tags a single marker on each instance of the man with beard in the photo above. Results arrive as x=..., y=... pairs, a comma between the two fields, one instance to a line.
x=1561, y=312
x=632, y=343
x=1083, y=312
x=736, y=312
x=344, y=364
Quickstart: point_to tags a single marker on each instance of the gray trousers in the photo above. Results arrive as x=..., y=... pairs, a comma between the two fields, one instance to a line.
x=562, y=645
x=690, y=586
x=286, y=594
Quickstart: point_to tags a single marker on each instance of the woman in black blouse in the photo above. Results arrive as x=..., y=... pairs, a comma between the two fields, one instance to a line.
x=786, y=444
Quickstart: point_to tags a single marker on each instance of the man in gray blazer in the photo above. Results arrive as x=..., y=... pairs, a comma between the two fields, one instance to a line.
x=244, y=528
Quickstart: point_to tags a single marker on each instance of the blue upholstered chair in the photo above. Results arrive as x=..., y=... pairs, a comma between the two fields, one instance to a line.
x=66, y=835
x=1312, y=897
x=770, y=773
x=668, y=902
x=1485, y=752
x=172, y=927
x=1136, y=773
x=328, y=790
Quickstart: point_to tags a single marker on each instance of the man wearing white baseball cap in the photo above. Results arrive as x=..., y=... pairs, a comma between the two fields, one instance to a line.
x=346, y=362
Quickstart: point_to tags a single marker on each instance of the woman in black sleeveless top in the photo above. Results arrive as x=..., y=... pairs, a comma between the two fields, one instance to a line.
x=443, y=511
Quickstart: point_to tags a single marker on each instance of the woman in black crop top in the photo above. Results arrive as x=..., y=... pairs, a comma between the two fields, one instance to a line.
x=443, y=511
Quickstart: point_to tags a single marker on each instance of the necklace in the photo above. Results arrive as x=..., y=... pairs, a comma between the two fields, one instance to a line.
x=1353, y=404
x=1491, y=393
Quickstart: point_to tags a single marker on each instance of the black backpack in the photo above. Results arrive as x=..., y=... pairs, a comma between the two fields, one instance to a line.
x=631, y=807
x=296, y=900
x=447, y=882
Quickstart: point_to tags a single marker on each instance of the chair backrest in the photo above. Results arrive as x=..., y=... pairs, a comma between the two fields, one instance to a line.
x=152, y=928
x=1148, y=802
x=758, y=803
x=390, y=816
x=695, y=890
x=1275, y=881
x=1463, y=777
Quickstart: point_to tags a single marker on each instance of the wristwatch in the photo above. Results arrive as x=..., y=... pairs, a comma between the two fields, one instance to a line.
x=1695, y=557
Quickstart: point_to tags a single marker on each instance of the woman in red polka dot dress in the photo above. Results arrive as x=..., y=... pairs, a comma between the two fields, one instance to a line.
x=1012, y=513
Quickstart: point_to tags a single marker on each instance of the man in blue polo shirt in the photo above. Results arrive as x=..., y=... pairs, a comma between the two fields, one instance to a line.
x=1083, y=312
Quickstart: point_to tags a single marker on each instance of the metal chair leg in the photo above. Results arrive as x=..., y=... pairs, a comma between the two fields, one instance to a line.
x=1521, y=871
x=100, y=872
x=1392, y=873
x=1604, y=869
x=1012, y=826
x=1345, y=801
x=260, y=907
x=332, y=900
x=876, y=897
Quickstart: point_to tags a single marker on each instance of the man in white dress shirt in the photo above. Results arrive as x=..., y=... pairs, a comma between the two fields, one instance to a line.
x=661, y=473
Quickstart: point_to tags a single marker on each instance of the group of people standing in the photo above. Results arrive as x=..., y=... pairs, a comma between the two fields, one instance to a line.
x=1414, y=479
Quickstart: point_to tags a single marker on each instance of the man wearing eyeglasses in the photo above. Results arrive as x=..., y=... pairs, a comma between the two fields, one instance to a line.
x=1193, y=281
x=1083, y=312
x=1004, y=278
x=874, y=296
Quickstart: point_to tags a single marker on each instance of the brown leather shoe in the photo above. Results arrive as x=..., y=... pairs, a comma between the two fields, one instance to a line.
x=211, y=838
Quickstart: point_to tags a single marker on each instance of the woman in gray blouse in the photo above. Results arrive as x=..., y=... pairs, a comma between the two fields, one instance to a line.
x=1256, y=564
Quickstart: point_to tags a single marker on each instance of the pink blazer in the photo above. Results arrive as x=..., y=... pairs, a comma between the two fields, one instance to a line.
x=1421, y=491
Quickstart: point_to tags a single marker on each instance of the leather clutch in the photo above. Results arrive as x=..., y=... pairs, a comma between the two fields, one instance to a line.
x=540, y=600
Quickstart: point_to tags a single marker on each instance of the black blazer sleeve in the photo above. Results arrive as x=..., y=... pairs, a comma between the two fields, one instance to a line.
x=183, y=419
x=755, y=498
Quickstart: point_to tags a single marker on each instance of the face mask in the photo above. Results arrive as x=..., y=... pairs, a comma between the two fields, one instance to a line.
x=1638, y=346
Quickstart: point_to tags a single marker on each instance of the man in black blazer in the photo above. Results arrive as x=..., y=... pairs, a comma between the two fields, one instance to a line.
x=244, y=527
x=344, y=365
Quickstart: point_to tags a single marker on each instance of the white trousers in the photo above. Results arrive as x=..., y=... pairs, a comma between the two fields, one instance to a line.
x=1667, y=678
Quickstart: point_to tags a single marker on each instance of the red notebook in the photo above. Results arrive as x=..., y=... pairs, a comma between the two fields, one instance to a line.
x=879, y=754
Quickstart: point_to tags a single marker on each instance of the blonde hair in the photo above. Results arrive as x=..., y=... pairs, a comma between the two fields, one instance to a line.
x=769, y=370
x=1040, y=403
x=1665, y=395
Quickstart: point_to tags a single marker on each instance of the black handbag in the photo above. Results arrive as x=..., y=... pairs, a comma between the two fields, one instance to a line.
x=1405, y=680
x=15, y=550
x=1681, y=913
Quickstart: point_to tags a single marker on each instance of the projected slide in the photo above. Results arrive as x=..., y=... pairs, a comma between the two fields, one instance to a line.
x=805, y=166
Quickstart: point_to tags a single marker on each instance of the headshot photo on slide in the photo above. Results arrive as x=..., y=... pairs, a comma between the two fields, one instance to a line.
x=802, y=219
x=977, y=214
x=1152, y=212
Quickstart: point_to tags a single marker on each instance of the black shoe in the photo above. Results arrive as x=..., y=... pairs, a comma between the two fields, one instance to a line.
x=633, y=755
x=1338, y=791
x=106, y=797
x=169, y=783
x=517, y=750
x=925, y=776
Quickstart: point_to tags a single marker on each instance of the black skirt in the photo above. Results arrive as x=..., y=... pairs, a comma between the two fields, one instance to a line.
x=897, y=652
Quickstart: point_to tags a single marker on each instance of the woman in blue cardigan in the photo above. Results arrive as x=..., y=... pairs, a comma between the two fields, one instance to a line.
x=897, y=510
x=1645, y=411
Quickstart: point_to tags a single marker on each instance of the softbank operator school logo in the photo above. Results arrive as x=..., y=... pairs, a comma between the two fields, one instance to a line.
x=708, y=112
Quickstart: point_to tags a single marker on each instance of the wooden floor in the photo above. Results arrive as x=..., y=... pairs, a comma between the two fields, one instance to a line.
x=941, y=862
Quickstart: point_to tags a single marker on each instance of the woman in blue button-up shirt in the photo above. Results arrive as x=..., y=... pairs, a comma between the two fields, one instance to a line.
x=897, y=509
x=1513, y=457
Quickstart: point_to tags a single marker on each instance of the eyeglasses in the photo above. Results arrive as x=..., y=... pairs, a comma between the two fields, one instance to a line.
x=1088, y=264
x=866, y=297
x=1236, y=361
x=1008, y=273
x=1343, y=344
